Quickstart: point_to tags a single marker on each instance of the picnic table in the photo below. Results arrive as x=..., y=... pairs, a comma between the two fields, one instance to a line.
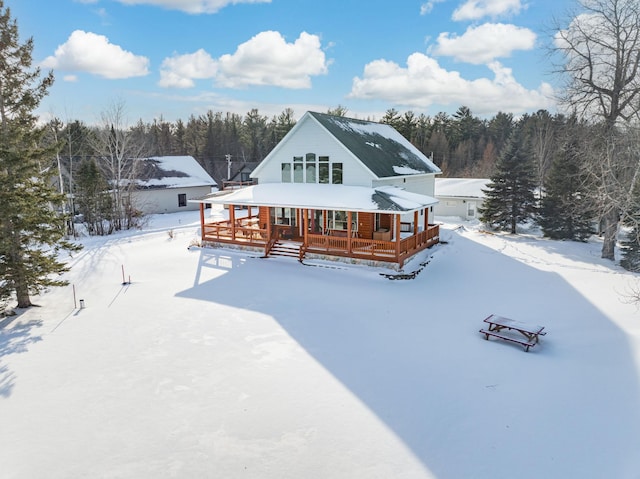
x=528, y=335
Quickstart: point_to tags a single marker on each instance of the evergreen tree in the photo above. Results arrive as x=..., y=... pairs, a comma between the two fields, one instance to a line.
x=631, y=246
x=510, y=197
x=93, y=200
x=563, y=211
x=31, y=225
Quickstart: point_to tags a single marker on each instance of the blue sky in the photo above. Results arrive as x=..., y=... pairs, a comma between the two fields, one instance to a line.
x=176, y=58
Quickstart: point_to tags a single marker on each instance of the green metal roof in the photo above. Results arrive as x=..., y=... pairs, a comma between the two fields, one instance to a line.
x=381, y=148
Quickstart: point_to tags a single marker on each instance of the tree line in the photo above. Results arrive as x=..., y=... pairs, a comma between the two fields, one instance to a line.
x=462, y=144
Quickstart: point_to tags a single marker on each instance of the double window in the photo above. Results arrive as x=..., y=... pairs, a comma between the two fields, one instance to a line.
x=338, y=220
x=283, y=216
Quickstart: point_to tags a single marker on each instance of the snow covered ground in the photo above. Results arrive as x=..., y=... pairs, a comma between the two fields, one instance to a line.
x=215, y=363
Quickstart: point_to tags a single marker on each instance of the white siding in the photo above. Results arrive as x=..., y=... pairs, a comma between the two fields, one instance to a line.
x=422, y=184
x=165, y=200
x=310, y=137
x=452, y=206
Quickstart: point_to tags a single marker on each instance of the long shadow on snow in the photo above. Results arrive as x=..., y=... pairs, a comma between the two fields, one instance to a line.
x=14, y=338
x=411, y=351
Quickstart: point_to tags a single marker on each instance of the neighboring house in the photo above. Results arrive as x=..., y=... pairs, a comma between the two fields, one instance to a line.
x=165, y=184
x=334, y=187
x=459, y=197
x=241, y=176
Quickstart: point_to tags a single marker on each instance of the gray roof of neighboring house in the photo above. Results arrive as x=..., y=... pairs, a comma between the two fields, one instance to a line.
x=381, y=148
x=161, y=172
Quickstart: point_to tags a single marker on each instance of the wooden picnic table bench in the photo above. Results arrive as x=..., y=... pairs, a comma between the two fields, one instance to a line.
x=529, y=334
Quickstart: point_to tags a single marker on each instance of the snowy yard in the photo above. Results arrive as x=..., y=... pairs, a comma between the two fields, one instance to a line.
x=215, y=363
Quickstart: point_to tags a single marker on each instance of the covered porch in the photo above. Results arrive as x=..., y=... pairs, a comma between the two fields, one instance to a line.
x=384, y=224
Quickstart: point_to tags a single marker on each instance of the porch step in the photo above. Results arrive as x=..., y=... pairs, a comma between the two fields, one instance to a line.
x=285, y=248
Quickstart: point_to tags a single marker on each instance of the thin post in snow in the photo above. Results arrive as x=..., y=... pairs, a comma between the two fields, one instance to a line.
x=75, y=305
x=124, y=281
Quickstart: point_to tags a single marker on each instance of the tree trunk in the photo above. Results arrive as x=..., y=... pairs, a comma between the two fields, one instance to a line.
x=610, y=234
x=17, y=261
x=22, y=295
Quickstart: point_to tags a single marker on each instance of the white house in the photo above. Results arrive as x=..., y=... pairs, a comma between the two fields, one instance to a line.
x=165, y=184
x=336, y=186
x=459, y=196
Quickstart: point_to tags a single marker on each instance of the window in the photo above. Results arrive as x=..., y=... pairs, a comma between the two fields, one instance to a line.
x=283, y=216
x=338, y=220
x=286, y=172
x=310, y=167
x=323, y=169
x=336, y=173
x=298, y=169
x=182, y=200
x=245, y=176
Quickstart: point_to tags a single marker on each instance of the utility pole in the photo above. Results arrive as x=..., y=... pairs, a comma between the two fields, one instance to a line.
x=228, y=157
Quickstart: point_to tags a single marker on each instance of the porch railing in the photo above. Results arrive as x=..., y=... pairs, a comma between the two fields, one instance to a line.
x=223, y=232
x=367, y=249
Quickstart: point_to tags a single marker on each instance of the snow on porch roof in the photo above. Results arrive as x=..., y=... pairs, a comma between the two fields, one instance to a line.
x=382, y=199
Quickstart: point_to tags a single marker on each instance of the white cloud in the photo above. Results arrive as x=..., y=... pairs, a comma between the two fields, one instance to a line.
x=91, y=53
x=191, y=6
x=427, y=7
x=265, y=59
x=485, y=43
x=179, y=71
x=70, y=78
x=476, y=9
x=424, y=83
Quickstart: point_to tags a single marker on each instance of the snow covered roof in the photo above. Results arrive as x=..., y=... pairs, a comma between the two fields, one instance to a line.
x=378, y=146
x=461, y=187
x=171, y=172
x=382, y=199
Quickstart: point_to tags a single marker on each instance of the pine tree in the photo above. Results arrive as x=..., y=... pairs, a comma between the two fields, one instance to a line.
x=510, y=197
x=93, y=200
x=31, y=227
x=631, y=246
x=564, y=213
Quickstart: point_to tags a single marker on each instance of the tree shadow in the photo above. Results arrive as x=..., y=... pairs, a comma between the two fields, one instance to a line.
x=411, y=351
x=15, y=338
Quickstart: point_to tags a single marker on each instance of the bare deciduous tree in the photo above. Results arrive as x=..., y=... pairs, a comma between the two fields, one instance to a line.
x=543, y=133
x=118, y=147
x=601, y=52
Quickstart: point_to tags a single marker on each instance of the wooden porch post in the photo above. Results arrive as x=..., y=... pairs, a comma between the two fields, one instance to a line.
x=202, y=221
x=415, y=223
x=268, y=223
x=397, y=237
x=349, y=232
x=305, y=225
x=232, y=219
x=426, y=218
